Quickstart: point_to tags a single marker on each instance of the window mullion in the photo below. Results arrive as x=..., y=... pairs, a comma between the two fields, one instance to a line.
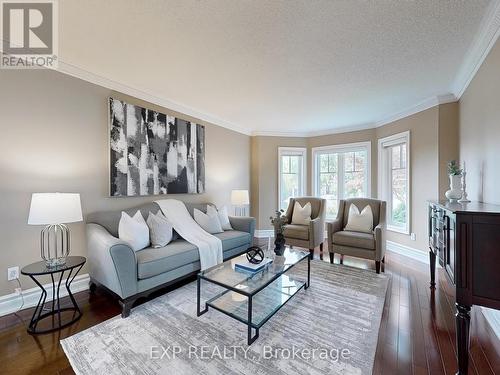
x=340, y=176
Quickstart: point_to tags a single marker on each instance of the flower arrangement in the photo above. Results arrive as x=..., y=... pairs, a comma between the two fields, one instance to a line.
x=278, y=221
x=454, y=168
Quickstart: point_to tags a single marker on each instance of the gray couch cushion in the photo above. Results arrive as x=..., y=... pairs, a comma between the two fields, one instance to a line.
x=354, y=239
x=300, y=232
x=233, y=238
x=153, y=261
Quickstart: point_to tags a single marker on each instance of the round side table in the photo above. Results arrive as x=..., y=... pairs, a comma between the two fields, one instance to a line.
x=73, y=265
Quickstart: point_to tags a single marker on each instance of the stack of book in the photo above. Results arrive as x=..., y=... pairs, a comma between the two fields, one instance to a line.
x=246, y=266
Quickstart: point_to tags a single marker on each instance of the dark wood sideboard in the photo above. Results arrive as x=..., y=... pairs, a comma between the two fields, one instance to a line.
x=465, y=238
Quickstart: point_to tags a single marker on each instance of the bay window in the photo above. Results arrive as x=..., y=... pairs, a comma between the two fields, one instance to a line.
x=394, y=180
x=340, y=172
x=292, y=174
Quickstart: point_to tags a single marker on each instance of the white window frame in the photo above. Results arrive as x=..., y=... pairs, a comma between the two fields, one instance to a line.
x=384, y=175
x=347, y=147
x=293, y=151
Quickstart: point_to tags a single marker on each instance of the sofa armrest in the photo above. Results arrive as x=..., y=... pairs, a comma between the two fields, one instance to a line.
x=243, y=224
x=317, y=231
x=112, y=262
x=379, y=233
x=333, y=227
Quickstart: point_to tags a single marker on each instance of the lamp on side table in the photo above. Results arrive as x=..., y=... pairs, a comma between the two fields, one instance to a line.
x=240, y=199
x=55, y=210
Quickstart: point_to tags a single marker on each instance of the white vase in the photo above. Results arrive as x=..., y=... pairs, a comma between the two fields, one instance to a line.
x=455, y=191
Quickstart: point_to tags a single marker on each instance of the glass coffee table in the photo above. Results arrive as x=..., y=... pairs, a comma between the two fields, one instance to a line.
x=254, y=298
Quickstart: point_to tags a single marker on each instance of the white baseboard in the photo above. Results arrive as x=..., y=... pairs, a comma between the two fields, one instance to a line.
x=11, y=303
x=493, y=319
x=408, y=251
x=264, y=233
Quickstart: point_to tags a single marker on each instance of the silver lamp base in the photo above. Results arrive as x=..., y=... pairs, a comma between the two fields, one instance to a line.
x=56, y=262
x=55, y=244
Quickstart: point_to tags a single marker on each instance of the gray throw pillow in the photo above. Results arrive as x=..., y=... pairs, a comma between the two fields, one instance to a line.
x=160, y=230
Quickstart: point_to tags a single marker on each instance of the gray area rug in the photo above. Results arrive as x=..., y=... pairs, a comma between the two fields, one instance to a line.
x=330, y=328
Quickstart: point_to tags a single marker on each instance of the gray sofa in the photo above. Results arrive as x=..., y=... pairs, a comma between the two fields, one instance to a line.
x=133, y=274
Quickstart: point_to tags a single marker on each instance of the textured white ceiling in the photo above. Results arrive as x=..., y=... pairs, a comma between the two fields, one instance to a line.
x=276, y=66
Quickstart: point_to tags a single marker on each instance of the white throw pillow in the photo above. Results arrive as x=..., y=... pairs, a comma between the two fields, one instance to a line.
x=210, y=223
x=222, y=214
x=134, y=231
x=160, y=229
x=301, y=215
x=360, y=222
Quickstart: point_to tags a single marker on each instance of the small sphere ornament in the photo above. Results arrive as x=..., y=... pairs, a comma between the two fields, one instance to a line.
x=255, y=255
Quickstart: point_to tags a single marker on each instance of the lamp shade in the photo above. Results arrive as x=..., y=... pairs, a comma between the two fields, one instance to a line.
x=239, y=197
x=55, y=208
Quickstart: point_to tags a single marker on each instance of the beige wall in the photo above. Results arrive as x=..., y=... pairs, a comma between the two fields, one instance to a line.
x=54, y=138
x=480, y=130
x=264, y=200
x=448, y=143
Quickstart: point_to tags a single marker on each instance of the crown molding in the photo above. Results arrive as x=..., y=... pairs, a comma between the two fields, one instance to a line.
x=422, y=106
x=99, y=80
x=485, y=39
x=318, y=133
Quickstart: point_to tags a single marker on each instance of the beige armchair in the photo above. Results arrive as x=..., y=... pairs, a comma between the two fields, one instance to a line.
x=308, y=236
x=358, y=244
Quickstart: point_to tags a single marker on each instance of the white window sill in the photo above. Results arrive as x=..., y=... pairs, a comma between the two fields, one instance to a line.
x=398, y=230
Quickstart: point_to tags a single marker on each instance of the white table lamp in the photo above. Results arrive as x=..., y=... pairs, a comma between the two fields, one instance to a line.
x=239, y=199
x=55, y=210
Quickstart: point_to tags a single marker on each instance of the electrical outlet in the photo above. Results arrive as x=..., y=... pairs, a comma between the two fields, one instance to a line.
x=12, y=273
x=413, y=237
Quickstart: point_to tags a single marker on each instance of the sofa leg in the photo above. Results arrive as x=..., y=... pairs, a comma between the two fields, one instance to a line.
x=321, y=251
x=377, y=266
x=311, y=252
x=342, y=259
x=126, y=306
x=331, y=257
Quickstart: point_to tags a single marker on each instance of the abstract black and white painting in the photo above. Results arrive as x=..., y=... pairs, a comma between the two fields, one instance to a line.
x=153, y=153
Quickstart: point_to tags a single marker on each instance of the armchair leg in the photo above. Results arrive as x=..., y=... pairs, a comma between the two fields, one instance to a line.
x=342, y=259
x=331, y=257
x=377, y=266
x=321, y=251
x=311, y=252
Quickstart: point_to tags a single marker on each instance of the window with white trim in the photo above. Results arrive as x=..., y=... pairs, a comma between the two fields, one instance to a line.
x=292, y=174
x=341, y=171
x=394, y=180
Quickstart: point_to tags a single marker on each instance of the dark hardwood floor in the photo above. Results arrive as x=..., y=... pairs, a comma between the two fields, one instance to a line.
x=417, y=333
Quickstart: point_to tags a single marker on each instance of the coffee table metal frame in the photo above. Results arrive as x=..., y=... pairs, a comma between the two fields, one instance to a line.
x=209, y=303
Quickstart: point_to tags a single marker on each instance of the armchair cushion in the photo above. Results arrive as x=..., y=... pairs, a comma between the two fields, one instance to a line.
x=300, y=232
x=354, y=239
